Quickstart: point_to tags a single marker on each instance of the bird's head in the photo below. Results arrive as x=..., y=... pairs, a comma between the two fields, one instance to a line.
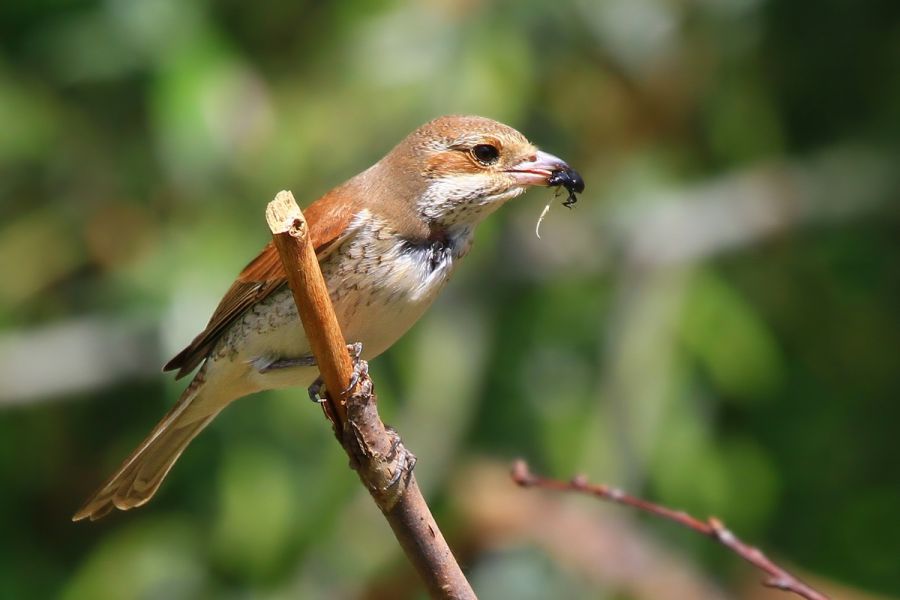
x=458, y=169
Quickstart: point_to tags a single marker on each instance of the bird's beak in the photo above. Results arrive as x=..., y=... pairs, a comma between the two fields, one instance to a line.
x=539, y=170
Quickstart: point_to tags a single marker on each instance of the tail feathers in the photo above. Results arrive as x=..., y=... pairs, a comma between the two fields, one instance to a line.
x=143, y=471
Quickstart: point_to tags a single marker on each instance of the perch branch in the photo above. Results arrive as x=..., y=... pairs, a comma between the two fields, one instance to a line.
x=713, y=528
x=376, y=453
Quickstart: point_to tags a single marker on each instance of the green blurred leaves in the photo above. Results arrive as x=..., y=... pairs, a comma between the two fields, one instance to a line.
x=730, y=341
x=139, y=142
x=250, y=543
x=152, y=559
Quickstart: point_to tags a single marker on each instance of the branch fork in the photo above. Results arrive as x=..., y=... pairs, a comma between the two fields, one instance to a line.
x=376, y=454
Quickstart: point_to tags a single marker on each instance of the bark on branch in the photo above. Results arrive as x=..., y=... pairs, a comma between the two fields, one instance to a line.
x=376, y=453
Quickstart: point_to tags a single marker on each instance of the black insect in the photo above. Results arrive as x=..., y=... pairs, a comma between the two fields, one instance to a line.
x=569, y=179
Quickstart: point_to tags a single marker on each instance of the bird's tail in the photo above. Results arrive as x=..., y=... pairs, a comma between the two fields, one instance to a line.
x=141, y=474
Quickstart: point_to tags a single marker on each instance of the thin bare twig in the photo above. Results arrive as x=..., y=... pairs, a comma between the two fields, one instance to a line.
x=376, y=453
x=713, y=528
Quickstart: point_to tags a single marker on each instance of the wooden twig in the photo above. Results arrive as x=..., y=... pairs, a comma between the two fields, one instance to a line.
x=376, y=453
x=777, y=577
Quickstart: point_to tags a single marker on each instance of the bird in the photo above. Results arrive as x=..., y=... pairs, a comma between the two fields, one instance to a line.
x=387, y=241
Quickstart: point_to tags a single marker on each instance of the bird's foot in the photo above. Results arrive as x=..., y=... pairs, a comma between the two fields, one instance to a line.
x=360, y=369
x=355, y=349
x=404, y=459
x=315, y=390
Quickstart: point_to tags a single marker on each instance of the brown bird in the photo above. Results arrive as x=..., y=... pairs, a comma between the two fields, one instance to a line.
x=387, y=241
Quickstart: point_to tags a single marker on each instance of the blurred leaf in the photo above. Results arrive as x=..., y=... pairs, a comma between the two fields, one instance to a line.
x=730, y=340
x=734, y=480
x=156, y=558
x=257, y=504
x=209, y=109
x=524, y=574
x=30, y=120
x=743, y=124
x=43, y=235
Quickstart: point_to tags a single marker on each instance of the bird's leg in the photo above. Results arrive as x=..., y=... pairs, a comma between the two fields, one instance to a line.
x=288, y=363
x=307, y=360
x=360, y=370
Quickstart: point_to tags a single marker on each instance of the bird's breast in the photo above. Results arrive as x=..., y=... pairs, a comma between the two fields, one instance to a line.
x=381, y=283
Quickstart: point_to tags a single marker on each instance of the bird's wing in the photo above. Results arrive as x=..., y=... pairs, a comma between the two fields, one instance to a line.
x=329, y=220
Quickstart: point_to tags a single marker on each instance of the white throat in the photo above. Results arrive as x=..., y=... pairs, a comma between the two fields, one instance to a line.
x=461, y=201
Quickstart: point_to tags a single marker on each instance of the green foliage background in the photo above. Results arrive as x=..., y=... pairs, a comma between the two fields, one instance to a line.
x=715, y=325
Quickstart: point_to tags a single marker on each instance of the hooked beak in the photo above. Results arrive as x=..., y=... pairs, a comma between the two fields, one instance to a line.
x=540, y=170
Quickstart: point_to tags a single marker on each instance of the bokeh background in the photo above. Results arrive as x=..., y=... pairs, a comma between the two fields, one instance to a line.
x=715, y=326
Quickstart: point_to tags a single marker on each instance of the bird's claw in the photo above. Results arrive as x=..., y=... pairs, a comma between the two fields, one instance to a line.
x=360, y=370
x=406, y=461
x=315, y=390
x=355, y=349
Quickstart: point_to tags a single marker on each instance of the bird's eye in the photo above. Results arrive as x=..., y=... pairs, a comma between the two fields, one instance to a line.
x=486, y=154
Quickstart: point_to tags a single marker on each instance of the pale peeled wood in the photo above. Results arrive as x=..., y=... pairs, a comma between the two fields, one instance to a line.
x=290, y=233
